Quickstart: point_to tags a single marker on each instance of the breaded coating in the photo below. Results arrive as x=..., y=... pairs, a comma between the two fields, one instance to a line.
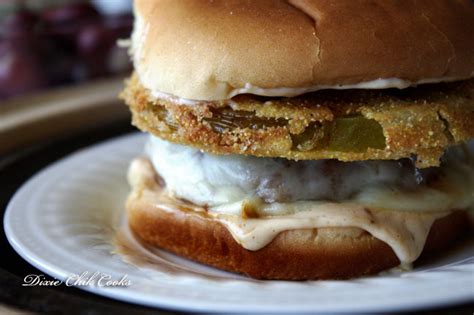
x=348, y=125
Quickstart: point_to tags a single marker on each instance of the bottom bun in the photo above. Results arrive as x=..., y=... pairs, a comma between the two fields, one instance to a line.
x=309, y=254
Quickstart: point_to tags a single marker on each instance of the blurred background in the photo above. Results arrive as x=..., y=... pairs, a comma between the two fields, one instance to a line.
x=54, y=43
x=61, y=72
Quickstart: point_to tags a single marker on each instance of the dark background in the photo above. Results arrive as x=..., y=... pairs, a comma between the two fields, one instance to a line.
x=51, y=43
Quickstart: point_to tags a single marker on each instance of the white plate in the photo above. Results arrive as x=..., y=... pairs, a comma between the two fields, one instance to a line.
x=66, y=220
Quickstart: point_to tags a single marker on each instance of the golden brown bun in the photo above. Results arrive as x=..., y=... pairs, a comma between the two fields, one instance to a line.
x=203, y=49
x=326, y=253
x=302, y=254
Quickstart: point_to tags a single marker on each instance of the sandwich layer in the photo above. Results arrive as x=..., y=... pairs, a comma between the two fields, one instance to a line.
x=350, y=125
x=317, y=249
x=213, y=50
x=234, y=183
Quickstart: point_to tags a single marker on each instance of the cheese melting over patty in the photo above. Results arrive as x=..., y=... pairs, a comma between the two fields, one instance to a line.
x=257, y=198
x=230, y=183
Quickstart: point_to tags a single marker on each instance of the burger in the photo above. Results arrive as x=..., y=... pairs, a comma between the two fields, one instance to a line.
x=303, y=139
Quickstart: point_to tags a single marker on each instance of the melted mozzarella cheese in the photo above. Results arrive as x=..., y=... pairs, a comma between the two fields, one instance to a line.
x=225, y=183
x=405, y=232
x=258, y=198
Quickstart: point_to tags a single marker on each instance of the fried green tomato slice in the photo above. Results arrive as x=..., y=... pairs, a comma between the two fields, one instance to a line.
x=348, y=125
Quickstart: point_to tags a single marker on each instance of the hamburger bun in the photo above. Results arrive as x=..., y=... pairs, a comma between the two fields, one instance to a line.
x=200, y=49
x=298, y=254
x=306, y=254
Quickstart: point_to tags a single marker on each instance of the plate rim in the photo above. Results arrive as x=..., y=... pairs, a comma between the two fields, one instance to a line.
x=171, y=303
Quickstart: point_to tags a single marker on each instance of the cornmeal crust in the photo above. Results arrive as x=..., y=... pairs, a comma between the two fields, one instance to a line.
x=395, y=124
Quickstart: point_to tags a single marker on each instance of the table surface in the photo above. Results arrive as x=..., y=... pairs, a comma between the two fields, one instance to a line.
x=15, y=168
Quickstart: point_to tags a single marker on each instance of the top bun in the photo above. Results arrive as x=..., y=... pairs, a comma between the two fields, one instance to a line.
x=214, y=49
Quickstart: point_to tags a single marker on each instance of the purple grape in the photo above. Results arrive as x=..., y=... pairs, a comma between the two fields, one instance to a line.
x=20, y=69
x=93, y=39
x=62, y=23
x=19, y=24
x=93, y=44
x=69, y=14
x=122, y=24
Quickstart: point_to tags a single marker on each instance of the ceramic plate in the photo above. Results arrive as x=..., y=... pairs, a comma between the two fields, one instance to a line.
x=68, y=221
